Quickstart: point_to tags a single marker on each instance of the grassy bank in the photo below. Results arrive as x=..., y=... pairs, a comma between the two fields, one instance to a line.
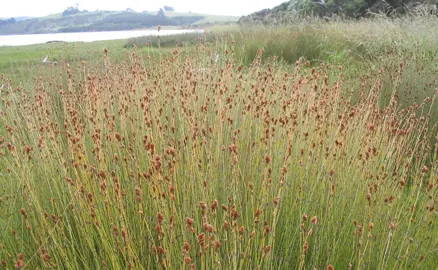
x=24, y=62
x=151, y=158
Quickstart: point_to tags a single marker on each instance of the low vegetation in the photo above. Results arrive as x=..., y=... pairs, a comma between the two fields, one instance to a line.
x=331, y=9
x=170, y=41
x=312, y=146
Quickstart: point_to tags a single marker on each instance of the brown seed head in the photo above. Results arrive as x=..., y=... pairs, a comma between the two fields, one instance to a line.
x=189, y=222
x=203, y=205
x=267, y=229
x=46, y=257
x=214, y=205
x=160, y=217
x=226, y=225
x=201, y=239
x=425, y=169
x=314, y=220
x=242, y=230
x=305, y=247
x=258, y=212
x=234, y=213
x=186, y=246
x=19, y=264
x=23, y=212
x=217, y=245
x=304, y=217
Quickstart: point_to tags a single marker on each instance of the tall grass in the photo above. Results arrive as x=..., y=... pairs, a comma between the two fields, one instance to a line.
x=182, y=162
x=365, y=48
x=404, y=49
x=256, y=160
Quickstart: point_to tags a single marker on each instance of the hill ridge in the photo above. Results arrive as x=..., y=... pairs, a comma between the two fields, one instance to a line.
x=85, y=21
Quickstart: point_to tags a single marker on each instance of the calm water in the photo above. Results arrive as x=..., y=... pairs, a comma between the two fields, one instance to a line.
x=19, y=40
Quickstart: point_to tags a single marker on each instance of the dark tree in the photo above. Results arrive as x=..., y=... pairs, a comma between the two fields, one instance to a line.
x=8, y=21
x=161, y=13
x=71, y=11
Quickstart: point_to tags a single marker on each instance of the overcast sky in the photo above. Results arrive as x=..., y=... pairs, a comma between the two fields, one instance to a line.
x=37, y=8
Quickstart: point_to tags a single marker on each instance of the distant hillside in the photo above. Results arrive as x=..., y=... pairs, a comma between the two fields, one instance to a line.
x=84, y=21
x=328, y=8
x=22, y=18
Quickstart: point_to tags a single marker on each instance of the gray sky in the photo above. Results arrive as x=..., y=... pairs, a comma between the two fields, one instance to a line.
x=36, y=8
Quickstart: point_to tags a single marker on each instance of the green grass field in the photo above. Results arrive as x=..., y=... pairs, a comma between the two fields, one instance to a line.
x=307, y=146
x=23, y=63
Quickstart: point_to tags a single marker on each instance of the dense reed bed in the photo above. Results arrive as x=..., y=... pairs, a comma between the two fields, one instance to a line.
x=182, y=162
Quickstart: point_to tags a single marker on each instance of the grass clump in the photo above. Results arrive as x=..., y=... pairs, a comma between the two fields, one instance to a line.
x=181, y=161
